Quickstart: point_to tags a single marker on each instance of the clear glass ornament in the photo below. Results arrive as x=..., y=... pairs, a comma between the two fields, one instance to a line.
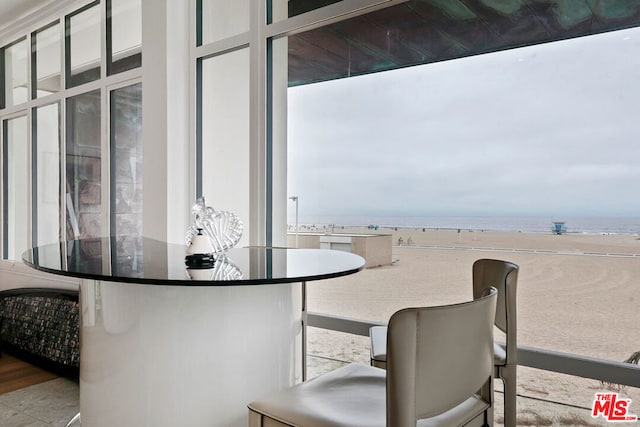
x=224, y=229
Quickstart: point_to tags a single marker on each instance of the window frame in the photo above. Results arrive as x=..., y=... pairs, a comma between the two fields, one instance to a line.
x=5, y=177
x=259, y=38
x=48, y=16
x=3, y=83
x=33, y=59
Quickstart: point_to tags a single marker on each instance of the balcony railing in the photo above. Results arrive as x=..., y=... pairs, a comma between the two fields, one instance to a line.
x=607, y=371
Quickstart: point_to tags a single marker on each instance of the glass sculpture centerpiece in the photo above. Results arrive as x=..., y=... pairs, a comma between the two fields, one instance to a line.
x=208, y=238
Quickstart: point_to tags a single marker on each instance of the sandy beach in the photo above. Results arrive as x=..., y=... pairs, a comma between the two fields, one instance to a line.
x=576, y=294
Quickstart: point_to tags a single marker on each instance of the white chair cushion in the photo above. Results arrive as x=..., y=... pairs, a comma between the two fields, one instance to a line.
x=499, y=354
x=354, y=395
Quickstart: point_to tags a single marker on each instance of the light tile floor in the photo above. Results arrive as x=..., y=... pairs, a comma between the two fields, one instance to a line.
x=52, y=403
x=55, y=402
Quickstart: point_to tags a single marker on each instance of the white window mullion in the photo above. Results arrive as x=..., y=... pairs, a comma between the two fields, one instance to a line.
x=30, y=172
x=63, y=169
x=105, y=160
x=257, y=133
x=103, y=39
x=105, y=131
x=193, y=107
x=30, y=146
x=63, y=133
x=63, y=52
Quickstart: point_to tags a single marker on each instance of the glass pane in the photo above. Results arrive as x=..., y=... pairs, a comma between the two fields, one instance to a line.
x=225, y=131
x=125, y=35
x=222, y=18
x=16, y=188
x=126, y=161
x=15, y=73
x=473, y=158
x=281, y=9
x=47, y=192
x=83, y=38
x=48, y=64
x=83, y=169
x=420, y=32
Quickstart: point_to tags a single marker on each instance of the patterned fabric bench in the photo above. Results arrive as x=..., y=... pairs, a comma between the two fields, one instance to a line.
x=42, y=326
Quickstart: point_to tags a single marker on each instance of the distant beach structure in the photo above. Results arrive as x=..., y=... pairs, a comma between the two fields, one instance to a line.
x=524, y=224
x=559, y=227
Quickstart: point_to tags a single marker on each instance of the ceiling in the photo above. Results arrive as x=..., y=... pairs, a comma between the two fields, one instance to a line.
x=12, y=10
x=425, y=31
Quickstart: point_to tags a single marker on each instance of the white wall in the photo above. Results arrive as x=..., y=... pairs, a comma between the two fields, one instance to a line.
x=225, y=135
x=168, y=175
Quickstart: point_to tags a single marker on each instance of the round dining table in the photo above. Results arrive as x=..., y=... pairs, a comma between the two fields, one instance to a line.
x=165, y=342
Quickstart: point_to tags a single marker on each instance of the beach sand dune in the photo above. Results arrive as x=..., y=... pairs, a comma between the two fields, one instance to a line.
x=576, y=294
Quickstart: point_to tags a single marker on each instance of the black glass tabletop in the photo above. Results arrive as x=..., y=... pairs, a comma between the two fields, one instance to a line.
x=152, y=262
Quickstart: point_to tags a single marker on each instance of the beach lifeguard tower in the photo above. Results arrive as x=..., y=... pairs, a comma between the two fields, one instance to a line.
x=558, y=227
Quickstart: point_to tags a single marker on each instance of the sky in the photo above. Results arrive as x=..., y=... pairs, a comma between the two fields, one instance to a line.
x=548, y=130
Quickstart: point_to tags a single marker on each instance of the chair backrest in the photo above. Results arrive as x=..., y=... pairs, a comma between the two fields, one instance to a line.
x=438, y=357
x=503, y=276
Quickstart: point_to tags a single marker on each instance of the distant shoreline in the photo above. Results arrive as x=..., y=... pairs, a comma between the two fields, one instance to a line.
x=373, y=228
x=523, y=224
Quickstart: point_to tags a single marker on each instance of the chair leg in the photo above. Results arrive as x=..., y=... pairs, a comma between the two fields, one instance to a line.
x=256, y=419
x=508, y=376
x=487, y=393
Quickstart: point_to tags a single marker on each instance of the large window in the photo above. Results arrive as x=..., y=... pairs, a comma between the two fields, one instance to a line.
x=288, y=9
x=66, y=167
x=473, y=158
x=46, y=70
x=84, y=167
x=126, y=160
x=15, y=187
x=15, y=60
x=83, y=51
x=225, y=130
x=224, y=153
x=46, y=192
x=219, y=19
x=124, y=35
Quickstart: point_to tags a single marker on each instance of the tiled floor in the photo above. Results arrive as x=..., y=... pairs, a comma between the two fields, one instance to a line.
x=55, y=402
x=52, y=403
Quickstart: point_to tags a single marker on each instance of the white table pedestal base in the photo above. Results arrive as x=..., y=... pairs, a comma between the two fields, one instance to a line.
x=185, y=356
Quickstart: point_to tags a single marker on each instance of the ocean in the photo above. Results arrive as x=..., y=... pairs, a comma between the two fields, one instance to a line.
x=580, y=225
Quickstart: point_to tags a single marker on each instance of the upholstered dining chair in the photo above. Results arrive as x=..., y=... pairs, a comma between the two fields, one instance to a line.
x=503, y=275
x=439, y=373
